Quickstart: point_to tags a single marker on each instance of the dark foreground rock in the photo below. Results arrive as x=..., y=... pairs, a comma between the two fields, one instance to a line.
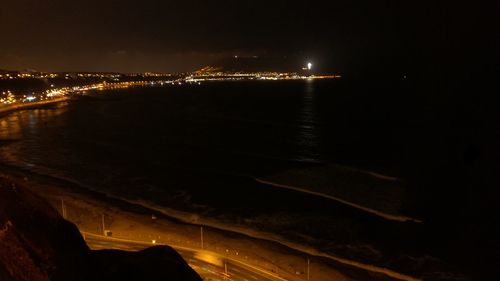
x=36, y=243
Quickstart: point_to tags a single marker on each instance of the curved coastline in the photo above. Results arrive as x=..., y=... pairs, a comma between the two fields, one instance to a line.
x=14, y=107
x=387, y=216
x=185, y=218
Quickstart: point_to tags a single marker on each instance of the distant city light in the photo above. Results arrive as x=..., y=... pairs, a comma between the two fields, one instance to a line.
x=53, y=94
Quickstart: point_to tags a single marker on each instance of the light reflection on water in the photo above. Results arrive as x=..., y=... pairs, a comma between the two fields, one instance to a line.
x=170, y=146
x=308, y=138
x=10, y=127
x=23, y=129
x=110, y=142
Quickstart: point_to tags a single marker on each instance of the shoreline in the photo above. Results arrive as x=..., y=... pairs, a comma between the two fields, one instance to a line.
x=134, y=212
x=381, y=214
x=85, y=212
x=15, y=107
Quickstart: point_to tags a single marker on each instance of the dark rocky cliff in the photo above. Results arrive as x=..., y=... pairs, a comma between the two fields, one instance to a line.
x=36, y=243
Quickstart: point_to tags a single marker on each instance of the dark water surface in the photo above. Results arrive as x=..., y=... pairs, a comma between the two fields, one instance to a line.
x=195, y=148
x=198, y=147
x=153, y=139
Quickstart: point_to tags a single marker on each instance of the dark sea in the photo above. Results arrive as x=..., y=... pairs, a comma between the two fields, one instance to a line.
x=225, y=127
x=200, y=147
x=151, y=138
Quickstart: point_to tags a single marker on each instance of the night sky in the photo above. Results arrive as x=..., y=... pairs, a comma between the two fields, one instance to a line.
x=171, y=36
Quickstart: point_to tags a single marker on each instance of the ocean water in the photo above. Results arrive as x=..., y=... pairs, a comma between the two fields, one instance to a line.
x=175, y=128
x=195, y=147
x=198, y=148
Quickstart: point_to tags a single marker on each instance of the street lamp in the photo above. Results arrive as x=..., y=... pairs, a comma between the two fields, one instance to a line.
x=201, y=236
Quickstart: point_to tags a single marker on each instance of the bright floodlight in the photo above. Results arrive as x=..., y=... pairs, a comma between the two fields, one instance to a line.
x=309, y=65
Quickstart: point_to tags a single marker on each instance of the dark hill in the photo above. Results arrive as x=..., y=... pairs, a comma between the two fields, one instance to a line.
x=258, y=64
x=155, y=263
x=36, y=243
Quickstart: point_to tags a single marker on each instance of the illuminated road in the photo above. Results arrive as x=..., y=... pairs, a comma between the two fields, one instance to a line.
x=236, y=270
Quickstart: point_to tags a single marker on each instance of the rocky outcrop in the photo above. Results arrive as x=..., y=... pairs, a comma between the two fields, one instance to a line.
x=155, y=263
x=37, y=244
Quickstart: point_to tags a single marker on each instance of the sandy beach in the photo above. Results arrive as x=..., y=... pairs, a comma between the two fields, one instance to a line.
x=136, y=223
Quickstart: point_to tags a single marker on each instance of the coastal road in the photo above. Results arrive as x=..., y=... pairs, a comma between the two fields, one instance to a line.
x=209, y=265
